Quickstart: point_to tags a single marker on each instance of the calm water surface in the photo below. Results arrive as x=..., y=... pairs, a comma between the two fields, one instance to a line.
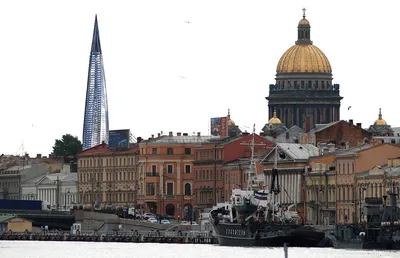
x=31, y=249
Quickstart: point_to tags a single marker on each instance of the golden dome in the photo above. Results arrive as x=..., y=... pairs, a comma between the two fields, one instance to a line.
x=304, y=21
x=274, y=120
x=304, y=58
x=380, y=121
x=230, y=121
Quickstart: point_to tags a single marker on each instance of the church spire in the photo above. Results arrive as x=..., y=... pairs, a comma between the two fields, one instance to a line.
x=96, y=48
x=304, y=31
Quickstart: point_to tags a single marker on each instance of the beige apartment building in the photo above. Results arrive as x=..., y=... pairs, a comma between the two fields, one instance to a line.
x=108, y=177
x=358, y=176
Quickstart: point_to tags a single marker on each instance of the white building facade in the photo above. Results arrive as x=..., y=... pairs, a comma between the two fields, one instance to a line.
x=59, y=190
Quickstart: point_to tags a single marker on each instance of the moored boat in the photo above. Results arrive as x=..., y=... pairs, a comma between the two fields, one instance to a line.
x=252, y=218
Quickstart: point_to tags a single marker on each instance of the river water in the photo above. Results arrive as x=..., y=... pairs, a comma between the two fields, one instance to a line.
x=32, y=249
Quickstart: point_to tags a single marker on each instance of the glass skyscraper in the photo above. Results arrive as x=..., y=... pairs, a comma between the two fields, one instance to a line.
x=95, y=124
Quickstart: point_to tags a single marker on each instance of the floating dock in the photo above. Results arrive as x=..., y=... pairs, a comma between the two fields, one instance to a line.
x=125, y=237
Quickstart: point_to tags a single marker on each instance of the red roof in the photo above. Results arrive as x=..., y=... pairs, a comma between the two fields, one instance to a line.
x=102, y=149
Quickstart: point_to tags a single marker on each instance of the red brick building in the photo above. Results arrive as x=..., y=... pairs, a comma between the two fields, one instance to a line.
x=209, y=165
x=342, y=133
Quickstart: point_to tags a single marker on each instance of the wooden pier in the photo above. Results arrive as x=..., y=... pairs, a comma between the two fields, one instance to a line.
x=125, y=237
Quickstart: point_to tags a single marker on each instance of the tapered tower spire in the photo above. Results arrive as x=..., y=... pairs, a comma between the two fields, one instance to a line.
x=95, y=124
x=96, y=47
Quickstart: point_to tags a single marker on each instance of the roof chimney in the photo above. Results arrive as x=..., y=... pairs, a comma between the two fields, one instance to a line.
x=185, y=134
x=178, y=134
x=359, y=125
x=245, y=133
x=159, y=134
x=351, y=121
x=198, y=134
x=139, y=139
x=152, y=136
x=262, y=134
x=38, y=156
x=170, y=134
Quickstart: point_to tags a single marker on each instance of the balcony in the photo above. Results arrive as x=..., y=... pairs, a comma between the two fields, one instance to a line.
x=152, y=174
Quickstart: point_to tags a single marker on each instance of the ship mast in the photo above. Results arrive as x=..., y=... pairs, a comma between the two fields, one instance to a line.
x=251, y=172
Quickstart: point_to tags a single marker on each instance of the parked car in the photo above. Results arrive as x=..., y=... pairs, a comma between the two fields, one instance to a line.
x=152, y=220
x=149, y=215
x=165, y=221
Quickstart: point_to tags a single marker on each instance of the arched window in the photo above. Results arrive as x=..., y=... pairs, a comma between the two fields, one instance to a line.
x=188, y=189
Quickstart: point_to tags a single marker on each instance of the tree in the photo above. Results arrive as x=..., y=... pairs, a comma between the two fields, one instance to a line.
x=68, y=146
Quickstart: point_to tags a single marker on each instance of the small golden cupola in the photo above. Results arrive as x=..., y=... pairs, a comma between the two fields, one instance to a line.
x=230, y=121
x=274, y=120
x=380, y=121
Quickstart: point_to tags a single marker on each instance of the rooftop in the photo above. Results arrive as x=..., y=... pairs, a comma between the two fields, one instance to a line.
x=6, y=218
x=185, y=139
x=52, y=177
x=299, y=151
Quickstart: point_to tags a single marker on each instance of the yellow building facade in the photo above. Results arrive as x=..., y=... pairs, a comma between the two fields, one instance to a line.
x=320, y=190
x=15, y=224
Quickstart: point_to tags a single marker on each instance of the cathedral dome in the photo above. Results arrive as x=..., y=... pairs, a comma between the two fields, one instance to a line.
x=304, y=57
x=274, y=120
x=304, y=21
x=380, y=120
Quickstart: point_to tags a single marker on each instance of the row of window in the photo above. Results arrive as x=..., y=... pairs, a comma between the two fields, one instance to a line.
x=108, y=176
x=348, y=194
x=345, y=168
x=9, y=184
x=170, y=151
x=118, y=197
x=212, y=154
x=304, y=84
x=170, y=169
x=115, y=161
x=208, y=197
x=151, y=188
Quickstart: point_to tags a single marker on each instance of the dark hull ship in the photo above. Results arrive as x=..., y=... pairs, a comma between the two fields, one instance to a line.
x=266, y=234
x=382, y=224
x=253, y=219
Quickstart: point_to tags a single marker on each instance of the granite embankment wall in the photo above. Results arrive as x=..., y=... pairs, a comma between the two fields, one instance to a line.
x=102, y=222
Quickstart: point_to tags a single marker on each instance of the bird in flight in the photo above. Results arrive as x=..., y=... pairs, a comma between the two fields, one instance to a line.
x=349, y=108
x=188, y=22
x=182, y=77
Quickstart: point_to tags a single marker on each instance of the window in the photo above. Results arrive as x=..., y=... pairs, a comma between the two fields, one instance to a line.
x=150, y=190
x=188, y=189
x=188, y=151
x=187, y=169
x=170, y=151
x=169, y=169
x=170, y=188
x=154, y=151
x=154, y=169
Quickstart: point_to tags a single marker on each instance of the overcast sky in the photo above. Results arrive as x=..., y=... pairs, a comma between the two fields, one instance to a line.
x=164, y=74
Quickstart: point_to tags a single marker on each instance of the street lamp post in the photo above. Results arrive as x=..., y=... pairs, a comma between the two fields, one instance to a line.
x=66, y=191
